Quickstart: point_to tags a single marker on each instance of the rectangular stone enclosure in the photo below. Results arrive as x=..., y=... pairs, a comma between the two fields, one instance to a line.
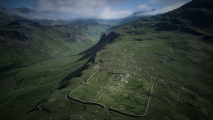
x=118, y=90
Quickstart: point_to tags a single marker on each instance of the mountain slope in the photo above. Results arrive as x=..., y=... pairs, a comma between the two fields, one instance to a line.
x=193, y=17
x=153, y=68
x=157, y=49
x=24, y=10
x=36, y=58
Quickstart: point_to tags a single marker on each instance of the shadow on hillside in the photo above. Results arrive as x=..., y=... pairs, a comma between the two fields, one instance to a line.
x=76, y=73
x=100, y=45
x=9, y=67
x=89, y=53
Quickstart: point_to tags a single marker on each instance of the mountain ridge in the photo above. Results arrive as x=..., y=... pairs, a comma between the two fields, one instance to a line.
x=141, y=12
x=160, y=66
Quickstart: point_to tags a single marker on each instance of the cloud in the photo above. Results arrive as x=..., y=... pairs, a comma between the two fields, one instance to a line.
x=165, y=9
x=68, y=9
x=151, y=1
x=72, y=7
x=144, y=7
x=117, y=2
x=166, y=2
x=108, y=13
x=108, y=9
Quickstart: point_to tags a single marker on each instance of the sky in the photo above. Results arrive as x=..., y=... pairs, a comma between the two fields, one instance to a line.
x=103, y=9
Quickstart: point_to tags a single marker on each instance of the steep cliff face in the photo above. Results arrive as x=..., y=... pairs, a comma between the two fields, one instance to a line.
x=90, y=55
x=105, y=39
x=108, y=38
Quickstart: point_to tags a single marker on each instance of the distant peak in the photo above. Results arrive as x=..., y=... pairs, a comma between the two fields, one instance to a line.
x=24, y=10
x=141, y=12
x=2, y=8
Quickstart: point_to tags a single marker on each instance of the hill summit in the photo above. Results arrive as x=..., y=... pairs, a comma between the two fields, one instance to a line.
x=197, y=13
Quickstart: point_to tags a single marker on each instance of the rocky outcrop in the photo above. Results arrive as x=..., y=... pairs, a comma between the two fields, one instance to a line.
x=14, y=35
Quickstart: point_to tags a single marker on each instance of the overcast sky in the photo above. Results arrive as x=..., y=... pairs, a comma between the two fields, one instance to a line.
x=108, y=9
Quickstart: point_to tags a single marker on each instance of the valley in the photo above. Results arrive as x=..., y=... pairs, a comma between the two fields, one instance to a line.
x=154, y=68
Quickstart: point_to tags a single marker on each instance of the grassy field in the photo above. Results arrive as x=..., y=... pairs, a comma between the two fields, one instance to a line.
x=119, y=91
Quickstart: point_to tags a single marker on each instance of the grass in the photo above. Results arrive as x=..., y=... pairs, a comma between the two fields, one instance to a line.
x=31, y=71
x=172, y=59
x=33, y=84
x=123, y=94
x=179, y=63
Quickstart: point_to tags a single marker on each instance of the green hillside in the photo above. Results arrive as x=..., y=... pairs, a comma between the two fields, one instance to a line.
x=157, y=68
x=35, y=59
